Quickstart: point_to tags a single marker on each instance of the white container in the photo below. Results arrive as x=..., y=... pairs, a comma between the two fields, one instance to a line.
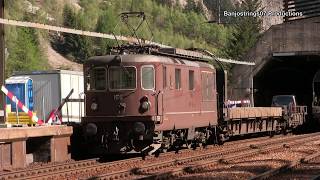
x=51, y=87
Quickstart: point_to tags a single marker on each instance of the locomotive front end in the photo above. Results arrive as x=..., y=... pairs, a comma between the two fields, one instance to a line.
x=120, y=100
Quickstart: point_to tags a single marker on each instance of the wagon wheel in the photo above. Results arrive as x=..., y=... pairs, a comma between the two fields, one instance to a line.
x=271, y=133
x=285, y=129
x=189, y=144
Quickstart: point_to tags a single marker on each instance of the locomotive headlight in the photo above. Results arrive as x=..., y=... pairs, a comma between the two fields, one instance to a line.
x=91, y=129
x=94, y=106
x=139, y=127
x=144, y=104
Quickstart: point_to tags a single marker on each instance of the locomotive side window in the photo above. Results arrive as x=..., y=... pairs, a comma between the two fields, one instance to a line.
x=191, y=80
x=98, y=79
x=178, y=78
x=164, y=77
x=210, y=83
x=122, y=78
x=147, y=77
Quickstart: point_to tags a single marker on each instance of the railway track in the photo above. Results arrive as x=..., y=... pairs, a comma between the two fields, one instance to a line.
x=41, y=171
x=304, y=168
x=133, y=167
x=177, y=167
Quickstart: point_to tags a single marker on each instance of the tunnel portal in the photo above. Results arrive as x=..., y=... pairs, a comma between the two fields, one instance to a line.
x=286, y=75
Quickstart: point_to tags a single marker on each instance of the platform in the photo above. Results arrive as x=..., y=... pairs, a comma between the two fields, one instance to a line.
x=20, y=146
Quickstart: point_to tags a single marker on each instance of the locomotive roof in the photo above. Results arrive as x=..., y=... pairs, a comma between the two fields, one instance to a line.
x=141, y=58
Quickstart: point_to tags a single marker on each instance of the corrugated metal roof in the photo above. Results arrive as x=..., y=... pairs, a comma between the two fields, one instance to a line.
x=47, y=72
x=17, y=79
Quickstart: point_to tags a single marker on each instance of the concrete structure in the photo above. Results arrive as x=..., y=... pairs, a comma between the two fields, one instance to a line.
x=20, y=146
x=287, y=57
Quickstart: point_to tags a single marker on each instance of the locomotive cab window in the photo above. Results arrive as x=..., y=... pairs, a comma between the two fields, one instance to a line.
x=122, y=78
x=147, y=77
x=97, y=79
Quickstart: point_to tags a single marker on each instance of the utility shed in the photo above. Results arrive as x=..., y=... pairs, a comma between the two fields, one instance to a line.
x=51, y=87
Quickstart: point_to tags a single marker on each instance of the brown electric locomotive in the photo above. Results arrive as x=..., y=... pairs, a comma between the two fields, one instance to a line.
x=147, y=99
x=146, y=96
x=143, y=98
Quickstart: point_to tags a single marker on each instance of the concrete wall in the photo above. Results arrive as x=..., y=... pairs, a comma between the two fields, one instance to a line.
x=300, y=37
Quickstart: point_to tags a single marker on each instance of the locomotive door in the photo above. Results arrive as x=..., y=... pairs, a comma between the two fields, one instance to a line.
x=162, y=93
x=150, y=76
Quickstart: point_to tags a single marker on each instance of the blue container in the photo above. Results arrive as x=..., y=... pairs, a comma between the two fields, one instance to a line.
x=21, y=87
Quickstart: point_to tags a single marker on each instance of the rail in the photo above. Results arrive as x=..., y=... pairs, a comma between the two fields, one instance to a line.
x=199, y=162
x=68, y=168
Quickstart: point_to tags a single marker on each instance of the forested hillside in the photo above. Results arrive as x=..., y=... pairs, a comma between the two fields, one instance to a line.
x=173, y=24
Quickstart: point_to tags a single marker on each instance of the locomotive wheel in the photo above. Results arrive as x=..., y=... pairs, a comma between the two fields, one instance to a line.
x=189, y=144
x=164, y=150
x=143, y=155
x=205, y=144
x=157, y=153
x=221, y=139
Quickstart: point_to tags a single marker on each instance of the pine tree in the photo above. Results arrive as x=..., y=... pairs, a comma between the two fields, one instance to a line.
x=246, y=31
x=105, y=24
x=80, y=47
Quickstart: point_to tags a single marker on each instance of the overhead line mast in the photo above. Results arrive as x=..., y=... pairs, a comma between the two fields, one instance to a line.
x=2, y=65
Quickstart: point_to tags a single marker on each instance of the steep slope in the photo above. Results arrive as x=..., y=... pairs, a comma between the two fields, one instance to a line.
x=267, y=5
x=57, y=61
x=275, y=6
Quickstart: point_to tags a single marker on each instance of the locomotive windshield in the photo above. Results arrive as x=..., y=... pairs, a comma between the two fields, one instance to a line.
x=97, y=79
x=282, y=100
x=147, y=77
x=122, y=78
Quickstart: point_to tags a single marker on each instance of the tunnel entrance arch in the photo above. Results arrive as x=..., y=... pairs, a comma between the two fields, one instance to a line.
x=287, y=75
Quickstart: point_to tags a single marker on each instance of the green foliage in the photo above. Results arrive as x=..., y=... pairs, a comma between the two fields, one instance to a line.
x=181, y=28
x=24, y=52
x=170, y=24
x=105, y=24
x=76, y=46
x=246, y=31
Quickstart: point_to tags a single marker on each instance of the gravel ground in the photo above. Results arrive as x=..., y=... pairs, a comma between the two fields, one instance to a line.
x=250, y=167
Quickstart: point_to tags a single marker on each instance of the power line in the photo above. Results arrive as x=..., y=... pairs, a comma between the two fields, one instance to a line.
x=99, y=35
